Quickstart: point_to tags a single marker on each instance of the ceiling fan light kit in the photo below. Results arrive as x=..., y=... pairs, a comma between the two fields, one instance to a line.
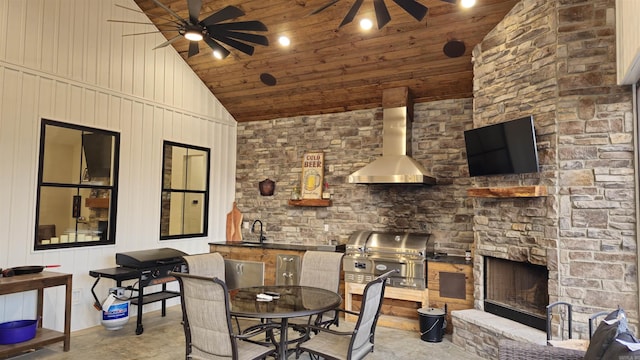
x=193, y=35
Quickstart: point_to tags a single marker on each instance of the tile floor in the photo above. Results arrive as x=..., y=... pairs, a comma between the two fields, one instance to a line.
x=163, y=339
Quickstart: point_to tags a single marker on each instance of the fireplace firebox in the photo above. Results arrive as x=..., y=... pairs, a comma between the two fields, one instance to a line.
x=517, y=291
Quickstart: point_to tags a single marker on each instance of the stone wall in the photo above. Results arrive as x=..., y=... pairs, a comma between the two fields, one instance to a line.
x=274, y=149
x=598, y=259
x=516, y=62
x=556, y=61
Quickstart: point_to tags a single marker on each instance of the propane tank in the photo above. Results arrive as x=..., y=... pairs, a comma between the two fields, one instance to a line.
x=115, y=310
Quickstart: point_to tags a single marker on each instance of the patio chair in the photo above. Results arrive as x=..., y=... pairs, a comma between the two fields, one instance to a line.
x=566, y=326
x=209, y=265
x=320, y=269
x=207, y=322
x=352, y=345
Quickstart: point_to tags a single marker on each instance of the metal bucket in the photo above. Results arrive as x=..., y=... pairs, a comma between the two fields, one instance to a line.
x=432, y=324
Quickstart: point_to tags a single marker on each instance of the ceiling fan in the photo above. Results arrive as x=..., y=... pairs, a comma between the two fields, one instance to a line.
x=412, y=7
x=213, y=29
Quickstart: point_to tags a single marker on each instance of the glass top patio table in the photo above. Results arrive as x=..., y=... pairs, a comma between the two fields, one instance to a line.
x=294, y=301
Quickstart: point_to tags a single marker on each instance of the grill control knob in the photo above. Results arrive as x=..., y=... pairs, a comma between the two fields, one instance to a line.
x=397, y=238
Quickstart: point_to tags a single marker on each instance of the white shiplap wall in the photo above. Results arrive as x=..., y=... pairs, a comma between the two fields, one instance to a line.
x=62, y=60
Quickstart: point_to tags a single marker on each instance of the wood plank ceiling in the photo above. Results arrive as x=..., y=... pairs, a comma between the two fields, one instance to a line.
x=327, y=69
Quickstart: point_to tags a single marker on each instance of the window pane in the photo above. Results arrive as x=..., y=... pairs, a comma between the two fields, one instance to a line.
x=56, y=217
x=62, y=155
x=193, y=213
x=195, y=166
x=182, y=214
x=97, y=158
x=56, y=205
x=96, y=212
x=177, y=168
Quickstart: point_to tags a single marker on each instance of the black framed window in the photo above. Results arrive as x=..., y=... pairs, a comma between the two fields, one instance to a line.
x=77, y=186
x=185, y=191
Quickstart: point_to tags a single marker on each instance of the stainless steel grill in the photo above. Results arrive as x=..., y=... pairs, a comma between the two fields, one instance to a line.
x=369, y=254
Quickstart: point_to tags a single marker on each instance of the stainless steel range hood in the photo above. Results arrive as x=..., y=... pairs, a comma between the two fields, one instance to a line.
x=396, y=166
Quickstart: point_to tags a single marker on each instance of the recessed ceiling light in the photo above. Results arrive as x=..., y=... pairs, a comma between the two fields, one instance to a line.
x=366, y=24
x=467, y=3
x=217, y=54
x=284, y=41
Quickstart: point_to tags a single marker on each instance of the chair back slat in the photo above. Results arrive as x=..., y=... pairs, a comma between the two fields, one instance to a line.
x=371, y=302
x=207, y=264
x=365, y=327
x=321, y=269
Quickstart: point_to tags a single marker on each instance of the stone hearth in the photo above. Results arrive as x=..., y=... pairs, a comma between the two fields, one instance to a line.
x=479, y=332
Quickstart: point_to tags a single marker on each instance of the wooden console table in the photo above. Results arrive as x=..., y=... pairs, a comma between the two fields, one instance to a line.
x=39, y=281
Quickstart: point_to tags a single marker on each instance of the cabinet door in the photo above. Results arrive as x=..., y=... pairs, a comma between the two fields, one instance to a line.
x=287, y=269
x=450, y=285
x=241, y=273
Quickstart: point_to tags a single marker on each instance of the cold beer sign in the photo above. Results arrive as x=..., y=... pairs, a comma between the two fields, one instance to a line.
x=312, y=175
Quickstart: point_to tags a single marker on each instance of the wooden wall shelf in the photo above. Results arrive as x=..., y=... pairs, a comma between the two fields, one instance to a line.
x=508, y=192
x=102, y=203
x=310, y=202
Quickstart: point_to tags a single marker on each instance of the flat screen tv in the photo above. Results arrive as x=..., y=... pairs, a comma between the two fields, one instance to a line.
x=504, y=148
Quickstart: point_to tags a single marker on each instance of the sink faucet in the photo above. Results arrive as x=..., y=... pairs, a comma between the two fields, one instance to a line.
x=262, y=237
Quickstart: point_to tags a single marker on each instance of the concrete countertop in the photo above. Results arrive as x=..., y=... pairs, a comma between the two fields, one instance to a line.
x=280, y=246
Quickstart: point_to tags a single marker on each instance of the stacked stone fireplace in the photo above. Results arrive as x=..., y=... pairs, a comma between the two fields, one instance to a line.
x=556, y=61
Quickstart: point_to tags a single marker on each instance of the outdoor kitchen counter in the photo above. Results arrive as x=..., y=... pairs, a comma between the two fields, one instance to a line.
x=280, y=246
x=281, y=261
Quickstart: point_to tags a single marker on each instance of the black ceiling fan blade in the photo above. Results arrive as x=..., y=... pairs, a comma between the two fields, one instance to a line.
x=173, y=13
x=414, y=8
x=245, y=48
x=352, y=13
x=194, y=10
x=217, y=47
x=252, y=38
x=450, y=1
x=194, y=49
x=173, y=39
x=253, y=25
x=321, y=8
x=227, y=13
x=382, y=13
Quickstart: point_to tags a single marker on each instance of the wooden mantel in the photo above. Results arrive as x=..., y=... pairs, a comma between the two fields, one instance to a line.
x=508, y=192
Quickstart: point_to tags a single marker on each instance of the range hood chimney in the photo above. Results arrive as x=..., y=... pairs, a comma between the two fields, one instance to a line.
x=396, y=166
